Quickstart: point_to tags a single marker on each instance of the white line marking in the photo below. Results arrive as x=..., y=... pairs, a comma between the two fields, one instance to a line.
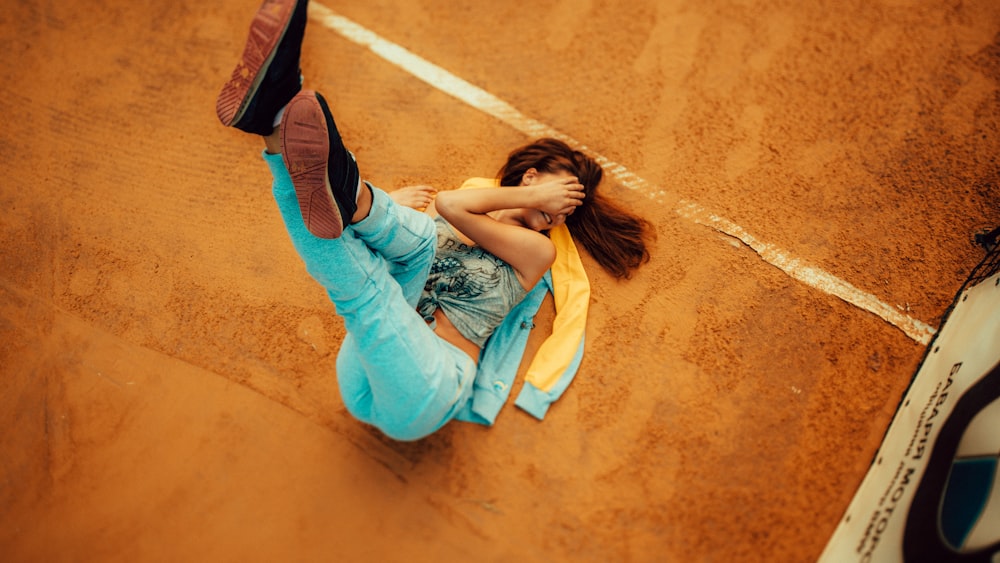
x=810, y=275
x=488, y=103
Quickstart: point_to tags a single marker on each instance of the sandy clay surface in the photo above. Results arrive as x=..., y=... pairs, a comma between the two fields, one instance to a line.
x=168, y=388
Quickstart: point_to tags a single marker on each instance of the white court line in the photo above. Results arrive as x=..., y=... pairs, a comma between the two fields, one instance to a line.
x=488, y=103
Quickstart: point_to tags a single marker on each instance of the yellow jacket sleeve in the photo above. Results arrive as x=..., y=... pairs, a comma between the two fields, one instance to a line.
x=571, y=293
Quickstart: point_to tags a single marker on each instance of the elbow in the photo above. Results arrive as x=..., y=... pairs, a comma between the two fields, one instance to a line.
x=445, y=205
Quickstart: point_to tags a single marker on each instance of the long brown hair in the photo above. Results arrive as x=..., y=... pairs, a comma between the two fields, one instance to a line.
x=616, y=238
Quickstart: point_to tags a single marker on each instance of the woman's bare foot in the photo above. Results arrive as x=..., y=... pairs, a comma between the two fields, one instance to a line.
x=414, y=197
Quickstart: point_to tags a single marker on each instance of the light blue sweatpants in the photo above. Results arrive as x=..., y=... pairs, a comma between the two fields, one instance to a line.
x=394, y=372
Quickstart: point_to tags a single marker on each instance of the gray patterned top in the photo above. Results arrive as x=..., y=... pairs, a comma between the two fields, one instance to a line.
x=474, y=288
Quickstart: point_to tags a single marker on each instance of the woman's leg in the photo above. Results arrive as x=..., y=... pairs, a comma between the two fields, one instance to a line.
x=406, y=238
x=403, y=236
x=394, y=372
x=398, y=375
x=332, y=196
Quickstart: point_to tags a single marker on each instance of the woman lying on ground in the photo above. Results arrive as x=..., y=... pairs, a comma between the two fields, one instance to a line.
x=420, y=297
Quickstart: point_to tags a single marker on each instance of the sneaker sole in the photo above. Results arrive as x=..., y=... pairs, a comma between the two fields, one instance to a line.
x=266, y=31
x=305, y=148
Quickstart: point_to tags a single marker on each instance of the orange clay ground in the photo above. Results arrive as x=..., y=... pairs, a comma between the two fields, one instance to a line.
x=168, y=389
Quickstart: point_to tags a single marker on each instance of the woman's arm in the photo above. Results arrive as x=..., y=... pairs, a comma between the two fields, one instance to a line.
x=529, y=253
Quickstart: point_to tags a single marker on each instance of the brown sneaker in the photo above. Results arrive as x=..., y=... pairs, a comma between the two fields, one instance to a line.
x=323, y=172
x=268, y=74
